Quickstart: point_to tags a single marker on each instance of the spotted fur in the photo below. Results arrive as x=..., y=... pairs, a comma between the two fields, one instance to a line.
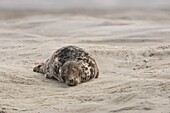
x=52, y=67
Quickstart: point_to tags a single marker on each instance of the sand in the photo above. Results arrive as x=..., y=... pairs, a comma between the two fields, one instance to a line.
x=132, y=49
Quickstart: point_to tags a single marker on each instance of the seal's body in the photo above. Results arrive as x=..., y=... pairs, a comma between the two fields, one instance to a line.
x=71, y=65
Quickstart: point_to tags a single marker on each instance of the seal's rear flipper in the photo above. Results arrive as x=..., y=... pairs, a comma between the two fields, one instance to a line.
x=39, y=68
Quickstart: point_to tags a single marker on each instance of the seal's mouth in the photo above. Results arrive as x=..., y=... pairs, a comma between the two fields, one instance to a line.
x=72, y=82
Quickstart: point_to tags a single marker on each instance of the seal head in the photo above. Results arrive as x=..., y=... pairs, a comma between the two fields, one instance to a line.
x=71, y=73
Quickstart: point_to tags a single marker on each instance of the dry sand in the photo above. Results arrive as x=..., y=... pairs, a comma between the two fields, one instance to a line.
x=132, y=49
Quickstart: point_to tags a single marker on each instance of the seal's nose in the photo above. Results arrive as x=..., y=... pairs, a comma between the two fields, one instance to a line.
x=71, y=81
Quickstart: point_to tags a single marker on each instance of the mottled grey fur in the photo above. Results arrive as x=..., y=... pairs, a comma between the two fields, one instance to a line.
x=71, y=65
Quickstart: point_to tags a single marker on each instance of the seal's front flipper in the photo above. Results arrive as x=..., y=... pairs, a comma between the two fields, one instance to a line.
x=47, y=75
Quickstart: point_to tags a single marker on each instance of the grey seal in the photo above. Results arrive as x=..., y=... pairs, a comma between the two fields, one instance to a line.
x=71, y=65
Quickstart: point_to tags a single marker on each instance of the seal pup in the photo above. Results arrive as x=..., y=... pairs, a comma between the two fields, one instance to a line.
x=71, y=65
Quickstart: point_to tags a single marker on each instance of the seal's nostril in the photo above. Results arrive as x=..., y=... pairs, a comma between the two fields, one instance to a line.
x=71, y=80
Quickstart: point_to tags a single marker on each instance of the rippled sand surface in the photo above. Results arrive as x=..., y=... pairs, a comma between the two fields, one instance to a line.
x=132, y=49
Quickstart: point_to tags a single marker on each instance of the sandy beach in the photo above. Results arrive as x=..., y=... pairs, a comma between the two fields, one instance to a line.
x=131, y=47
